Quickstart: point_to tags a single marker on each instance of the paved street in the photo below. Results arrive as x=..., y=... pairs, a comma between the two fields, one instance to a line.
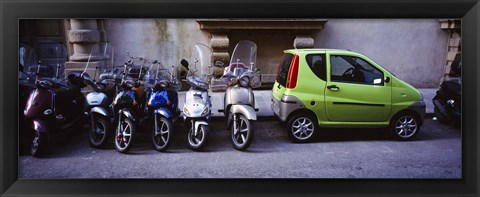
x=338, y=153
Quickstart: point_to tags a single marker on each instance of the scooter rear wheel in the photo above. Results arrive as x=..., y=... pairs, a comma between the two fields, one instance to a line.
x=124, y=138
x=242, y=137
x=197, y=143
x=162, y=133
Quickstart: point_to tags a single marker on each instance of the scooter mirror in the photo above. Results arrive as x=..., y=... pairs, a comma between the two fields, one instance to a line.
x=184, y=63
x=219, y=64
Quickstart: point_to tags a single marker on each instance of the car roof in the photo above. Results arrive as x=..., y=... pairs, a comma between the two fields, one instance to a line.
x=296, y=51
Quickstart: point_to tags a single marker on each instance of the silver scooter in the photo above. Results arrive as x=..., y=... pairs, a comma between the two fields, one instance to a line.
x=239, y=100
x=99, y=100
x=197, y=107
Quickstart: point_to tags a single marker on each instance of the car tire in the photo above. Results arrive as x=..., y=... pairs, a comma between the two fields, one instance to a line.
x=302, y=128
x=405, y=126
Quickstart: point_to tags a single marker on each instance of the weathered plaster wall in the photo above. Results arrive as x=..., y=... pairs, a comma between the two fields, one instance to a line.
x=413, y=49
x=146, y=37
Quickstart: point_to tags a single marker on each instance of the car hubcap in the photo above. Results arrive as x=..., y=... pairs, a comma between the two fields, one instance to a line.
x=302, y=128
x=406, y=126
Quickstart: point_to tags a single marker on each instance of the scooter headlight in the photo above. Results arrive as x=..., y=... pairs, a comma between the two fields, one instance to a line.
x=47, y=112
x=205, y=111
x=244, y=81
x=185, y=111
x=451, y=102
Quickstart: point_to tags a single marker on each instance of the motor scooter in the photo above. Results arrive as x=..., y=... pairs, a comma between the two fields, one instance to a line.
x=26, y=83
x=129, y=103
x=55, y=106
x=239, y=100
x=99, y=100
x=448, y=100
x=162, y=104
x=197, y=107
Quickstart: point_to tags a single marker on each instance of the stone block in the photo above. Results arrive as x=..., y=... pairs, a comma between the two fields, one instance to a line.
x=303, y=42
x=84, y=36
x=221, y=56
x=219, y=42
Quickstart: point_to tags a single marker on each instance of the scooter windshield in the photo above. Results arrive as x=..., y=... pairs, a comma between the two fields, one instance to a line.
x=48, y=60
x=163, y=67
x=244, y=58
x=201, y=62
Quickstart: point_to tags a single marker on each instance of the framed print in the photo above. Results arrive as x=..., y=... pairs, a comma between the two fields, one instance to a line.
x=239, y=98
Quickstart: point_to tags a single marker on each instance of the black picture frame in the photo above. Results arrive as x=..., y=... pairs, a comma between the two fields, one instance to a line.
x=12, y=11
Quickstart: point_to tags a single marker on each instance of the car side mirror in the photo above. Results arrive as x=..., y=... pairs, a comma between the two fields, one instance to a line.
x=387, y=79
x=219, y=64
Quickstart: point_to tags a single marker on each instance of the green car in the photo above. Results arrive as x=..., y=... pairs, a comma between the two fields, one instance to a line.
x=330, y=88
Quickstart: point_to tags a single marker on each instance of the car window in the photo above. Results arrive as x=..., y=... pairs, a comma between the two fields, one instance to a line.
x=283, y=69
x=354, y=70
x=317, y=64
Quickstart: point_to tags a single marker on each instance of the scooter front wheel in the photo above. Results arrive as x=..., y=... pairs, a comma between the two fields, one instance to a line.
x=199, y=141
x=124, y=135
x=162, y=131
x=38, y=144
x=241, y=133
x=99, y=132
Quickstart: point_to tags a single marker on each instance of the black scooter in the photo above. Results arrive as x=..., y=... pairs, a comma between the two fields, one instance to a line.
x=55, y=107
x=448, y=100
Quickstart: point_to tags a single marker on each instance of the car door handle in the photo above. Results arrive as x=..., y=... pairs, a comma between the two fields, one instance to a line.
x=333, y=87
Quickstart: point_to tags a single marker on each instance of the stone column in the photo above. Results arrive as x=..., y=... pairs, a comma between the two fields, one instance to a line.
x=219, y=44
x=84, y=36
x=303, y=41
x=453, y=27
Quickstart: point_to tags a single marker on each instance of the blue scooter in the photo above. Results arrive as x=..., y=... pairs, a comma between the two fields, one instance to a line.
x=162, y=104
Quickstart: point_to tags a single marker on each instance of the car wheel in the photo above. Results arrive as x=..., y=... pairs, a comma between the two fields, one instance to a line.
x=405, y=126
x=302, y=128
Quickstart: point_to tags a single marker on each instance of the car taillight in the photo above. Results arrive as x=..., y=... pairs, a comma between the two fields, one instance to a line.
x=293, y=73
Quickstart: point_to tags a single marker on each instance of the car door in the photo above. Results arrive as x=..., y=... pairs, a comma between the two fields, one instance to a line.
x=356, y=90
